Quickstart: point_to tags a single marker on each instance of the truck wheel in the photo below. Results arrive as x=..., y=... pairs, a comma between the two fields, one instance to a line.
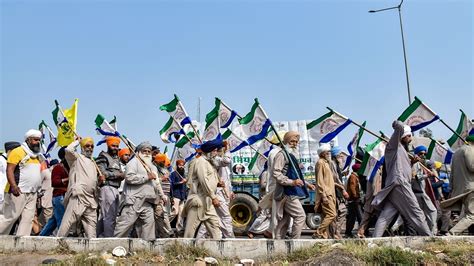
x=313, y=220
x=242, y=210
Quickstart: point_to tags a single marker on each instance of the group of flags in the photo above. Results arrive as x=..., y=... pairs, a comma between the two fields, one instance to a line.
x=254, y=130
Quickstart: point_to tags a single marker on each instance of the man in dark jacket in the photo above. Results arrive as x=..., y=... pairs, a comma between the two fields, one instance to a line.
x=109, y=165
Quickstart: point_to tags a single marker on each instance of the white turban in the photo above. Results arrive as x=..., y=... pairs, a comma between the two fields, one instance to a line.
x=33, y=133
x=324, y=147
x=406, y=131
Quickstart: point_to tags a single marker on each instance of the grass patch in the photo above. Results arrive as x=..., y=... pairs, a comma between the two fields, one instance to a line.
x=387, y=255
x=83, y=260
x=180, y=253
x=297, y=255
x=459, y=253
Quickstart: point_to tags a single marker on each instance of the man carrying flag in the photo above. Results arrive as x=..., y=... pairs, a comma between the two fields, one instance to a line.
x=290, y=188
x=81, y=196
x=397, y=196
x=419, y=183
x=462, y=184
x=109, y=164
x=140, y=195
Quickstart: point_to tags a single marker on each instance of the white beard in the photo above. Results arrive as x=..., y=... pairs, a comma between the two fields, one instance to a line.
x=328, y=157
x=146, y=158
x=293, y=151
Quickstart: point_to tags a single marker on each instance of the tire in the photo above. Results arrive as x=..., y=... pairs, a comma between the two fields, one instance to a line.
x=242, y=209
x=313, y=220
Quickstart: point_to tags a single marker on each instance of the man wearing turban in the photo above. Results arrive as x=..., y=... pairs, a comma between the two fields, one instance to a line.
x=221, y=160
x=325, y=191
x=178, y=186
x=341, y=193
x=419, y=183
x=80, y=199
x=462, y=184
x=202, y=199
x=109, y=164
x=397, y=195
x=162, y=210
x=142, y=192
x=289, y=188
x=24, y=181
x=124, y=155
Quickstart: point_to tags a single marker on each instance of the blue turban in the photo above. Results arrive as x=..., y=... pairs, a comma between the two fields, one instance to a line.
x=211, y=145
x=335, y=151
x=419, y=149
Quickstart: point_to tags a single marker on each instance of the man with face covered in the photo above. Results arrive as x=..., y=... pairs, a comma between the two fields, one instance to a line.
x=142, y=192
x=289, y=189
x=80, y=199
x=418, y=183
x=202, y=199
x=397, y=195
x=109, y=165
x=24, y=181
x=178, y=187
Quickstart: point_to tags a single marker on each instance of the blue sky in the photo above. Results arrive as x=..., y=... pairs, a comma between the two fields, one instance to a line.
x=126, y=58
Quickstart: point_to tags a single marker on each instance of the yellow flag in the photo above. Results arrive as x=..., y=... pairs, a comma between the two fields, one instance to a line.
x=66, y=122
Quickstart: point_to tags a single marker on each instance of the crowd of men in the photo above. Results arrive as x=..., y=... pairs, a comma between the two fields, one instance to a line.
x=140, y=193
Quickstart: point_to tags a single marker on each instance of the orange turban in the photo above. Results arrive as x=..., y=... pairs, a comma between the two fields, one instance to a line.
x=123, y=151
x=180, y=161
x=160, y=158
x=167, y=162
x=112, y=140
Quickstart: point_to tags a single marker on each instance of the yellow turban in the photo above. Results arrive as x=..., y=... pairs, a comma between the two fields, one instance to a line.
x=112, y=140
x=437, y=165
x=274, y=139
x=86, y=140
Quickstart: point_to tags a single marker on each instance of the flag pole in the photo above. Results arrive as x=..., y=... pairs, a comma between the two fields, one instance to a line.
x=359, y=125
x=456, y=133
x=282, y=145
x=77, y=136
x=194, y=128
x=130, y=147
x=240, y=117
x=442, y=121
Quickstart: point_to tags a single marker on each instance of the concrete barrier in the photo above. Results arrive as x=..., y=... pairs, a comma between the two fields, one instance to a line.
x=230, y=248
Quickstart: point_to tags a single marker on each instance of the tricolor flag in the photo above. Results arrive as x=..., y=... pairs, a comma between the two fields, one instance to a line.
x=255, y=124
x=45, y=129
x=105, y=128
x=327, y=127
x=235, y=143
x=176, y=110
x=185, y=146
x=464, y=129
x=257, y=164
x=437, y=152
x=171, y=131
x=418, y=115
x=66, y=122
x=219, y=117
x=352, y=147
x=373, y=159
